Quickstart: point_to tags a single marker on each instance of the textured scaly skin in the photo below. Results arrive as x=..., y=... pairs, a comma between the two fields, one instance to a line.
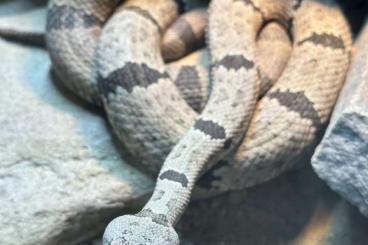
x=288, y=118
x=218, y=128
x=59, y=35
x=73, y=28
x=166, y=116
x=191, y=77
x=184, y=35
x=297, y=111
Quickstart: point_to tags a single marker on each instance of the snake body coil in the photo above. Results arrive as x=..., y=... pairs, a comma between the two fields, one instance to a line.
x=122, y=66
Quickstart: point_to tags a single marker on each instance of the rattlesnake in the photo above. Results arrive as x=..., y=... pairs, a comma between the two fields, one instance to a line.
x=125, y=71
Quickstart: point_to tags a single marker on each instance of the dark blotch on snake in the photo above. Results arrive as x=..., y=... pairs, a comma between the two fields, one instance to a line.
x=157, y=195
x=128, y=77
x=188, y=79
x=175, y=176
x=145, y=14
x=210, y=128
x=209, y=176
x=69, y=17
x=234, y=62
x=185, y=31
x=326, y=40
x=160, y=219
x=297, y=102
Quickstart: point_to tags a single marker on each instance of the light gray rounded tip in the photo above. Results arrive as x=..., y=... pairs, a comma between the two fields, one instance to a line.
x=130, y=229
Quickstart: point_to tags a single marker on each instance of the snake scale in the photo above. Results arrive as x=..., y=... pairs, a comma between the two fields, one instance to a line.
x=110, y=54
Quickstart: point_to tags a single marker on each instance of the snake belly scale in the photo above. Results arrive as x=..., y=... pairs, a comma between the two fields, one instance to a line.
x=122, y=69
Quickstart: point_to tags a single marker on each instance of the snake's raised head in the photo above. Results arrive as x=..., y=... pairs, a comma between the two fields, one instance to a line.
x=130, y=229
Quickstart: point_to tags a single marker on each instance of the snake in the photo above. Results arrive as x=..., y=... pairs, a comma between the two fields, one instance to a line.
x=249, y=129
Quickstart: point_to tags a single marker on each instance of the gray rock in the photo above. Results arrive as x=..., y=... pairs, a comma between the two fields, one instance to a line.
x=32, y=21
x=27, y=26
x=342, y=157
x=11, y=7
x=62, y=179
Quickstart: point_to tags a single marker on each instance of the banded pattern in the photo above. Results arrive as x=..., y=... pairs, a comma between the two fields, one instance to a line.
x=191, y=78
x=185, y=35
x=287, y=119
x=148, y=112
x=142, y=116
x=272, y=54
x=72, y=30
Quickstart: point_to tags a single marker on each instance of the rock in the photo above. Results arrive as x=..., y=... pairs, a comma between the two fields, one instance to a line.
x=342, y=157
x=11, y=7
x=32, y=21
x=26, y=25
x=62, y=178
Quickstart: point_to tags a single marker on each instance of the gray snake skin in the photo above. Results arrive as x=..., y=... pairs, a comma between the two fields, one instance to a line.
x=111, y=55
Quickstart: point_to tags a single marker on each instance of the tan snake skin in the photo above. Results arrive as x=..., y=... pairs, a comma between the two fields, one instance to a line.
x=148, y=113
x=189, y=30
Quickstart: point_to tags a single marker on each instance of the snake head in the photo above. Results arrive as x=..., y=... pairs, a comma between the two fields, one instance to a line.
x=130, y=229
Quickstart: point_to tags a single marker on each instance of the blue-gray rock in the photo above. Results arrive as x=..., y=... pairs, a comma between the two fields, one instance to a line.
x=61, y=176
x=342, y=157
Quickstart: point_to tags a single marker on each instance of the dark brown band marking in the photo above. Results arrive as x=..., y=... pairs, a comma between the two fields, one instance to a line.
x=210, y=128
x=188, y=80
x=297, y=102
x=157, y=195
x=209, y=177
x=68, y=17
x=160, y=219
x=175, y=177
x=234, y=62
x=326, y=40
x=128, y=77
x=144, y=13
x=185, y=32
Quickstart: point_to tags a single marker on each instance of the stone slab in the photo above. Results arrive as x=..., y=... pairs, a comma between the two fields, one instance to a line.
x=342, y=157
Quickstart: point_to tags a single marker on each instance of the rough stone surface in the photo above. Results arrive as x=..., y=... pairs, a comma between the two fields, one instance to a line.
x=342, y=157
x=32, y=21
x=61, y=176
x=23, y=21
x=11, y=7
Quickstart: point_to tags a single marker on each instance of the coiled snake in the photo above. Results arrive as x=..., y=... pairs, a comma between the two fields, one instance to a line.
x=114, y=59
